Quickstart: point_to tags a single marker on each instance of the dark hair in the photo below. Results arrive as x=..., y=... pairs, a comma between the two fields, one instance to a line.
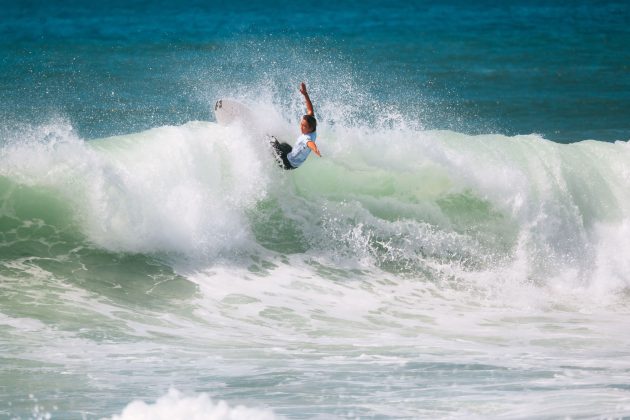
x=312, y=122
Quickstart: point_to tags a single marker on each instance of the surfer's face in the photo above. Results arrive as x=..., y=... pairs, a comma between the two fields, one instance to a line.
x=305, y=127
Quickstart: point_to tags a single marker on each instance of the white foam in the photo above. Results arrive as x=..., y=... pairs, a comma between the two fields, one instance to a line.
x=171, y=189
x=175, y=406
x=178, y=189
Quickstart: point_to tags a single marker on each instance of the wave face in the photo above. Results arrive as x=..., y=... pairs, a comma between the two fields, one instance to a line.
x=402, y=200
x=404, y=259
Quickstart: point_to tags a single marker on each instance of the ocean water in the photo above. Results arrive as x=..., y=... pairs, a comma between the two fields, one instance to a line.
x=459, y=251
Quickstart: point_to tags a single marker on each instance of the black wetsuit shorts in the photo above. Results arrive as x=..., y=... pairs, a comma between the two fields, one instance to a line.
x=281, y=150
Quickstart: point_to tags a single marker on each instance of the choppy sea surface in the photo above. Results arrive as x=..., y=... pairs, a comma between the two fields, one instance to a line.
x=459, y=251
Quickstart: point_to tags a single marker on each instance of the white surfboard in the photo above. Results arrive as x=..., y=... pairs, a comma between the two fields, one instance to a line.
x=229, y=111
x=263, y=121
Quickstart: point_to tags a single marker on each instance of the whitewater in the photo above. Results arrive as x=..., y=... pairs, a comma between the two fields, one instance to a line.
x=409, y=273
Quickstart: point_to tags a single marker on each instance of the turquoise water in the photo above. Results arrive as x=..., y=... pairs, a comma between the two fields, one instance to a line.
x=560, y=70
x=458, y=252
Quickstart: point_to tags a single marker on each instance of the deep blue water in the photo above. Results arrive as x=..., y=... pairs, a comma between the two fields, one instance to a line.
x=555, y=68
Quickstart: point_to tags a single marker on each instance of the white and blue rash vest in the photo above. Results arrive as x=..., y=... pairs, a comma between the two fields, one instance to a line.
x=301, y=151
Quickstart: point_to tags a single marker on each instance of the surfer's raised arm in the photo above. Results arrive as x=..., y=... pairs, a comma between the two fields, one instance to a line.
x=307, y=100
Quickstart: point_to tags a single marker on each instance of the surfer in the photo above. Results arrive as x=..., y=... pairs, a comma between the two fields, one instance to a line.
x=292, y=157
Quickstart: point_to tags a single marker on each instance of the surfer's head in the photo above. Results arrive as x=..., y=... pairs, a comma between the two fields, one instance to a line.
x=308, y=124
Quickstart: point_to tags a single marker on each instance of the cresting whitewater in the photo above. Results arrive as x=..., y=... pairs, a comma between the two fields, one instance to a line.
x=154, y=264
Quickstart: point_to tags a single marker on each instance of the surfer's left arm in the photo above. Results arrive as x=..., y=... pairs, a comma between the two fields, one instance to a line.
x=311, y=145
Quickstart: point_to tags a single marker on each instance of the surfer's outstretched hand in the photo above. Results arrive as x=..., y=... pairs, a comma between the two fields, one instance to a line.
x=303, y=89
